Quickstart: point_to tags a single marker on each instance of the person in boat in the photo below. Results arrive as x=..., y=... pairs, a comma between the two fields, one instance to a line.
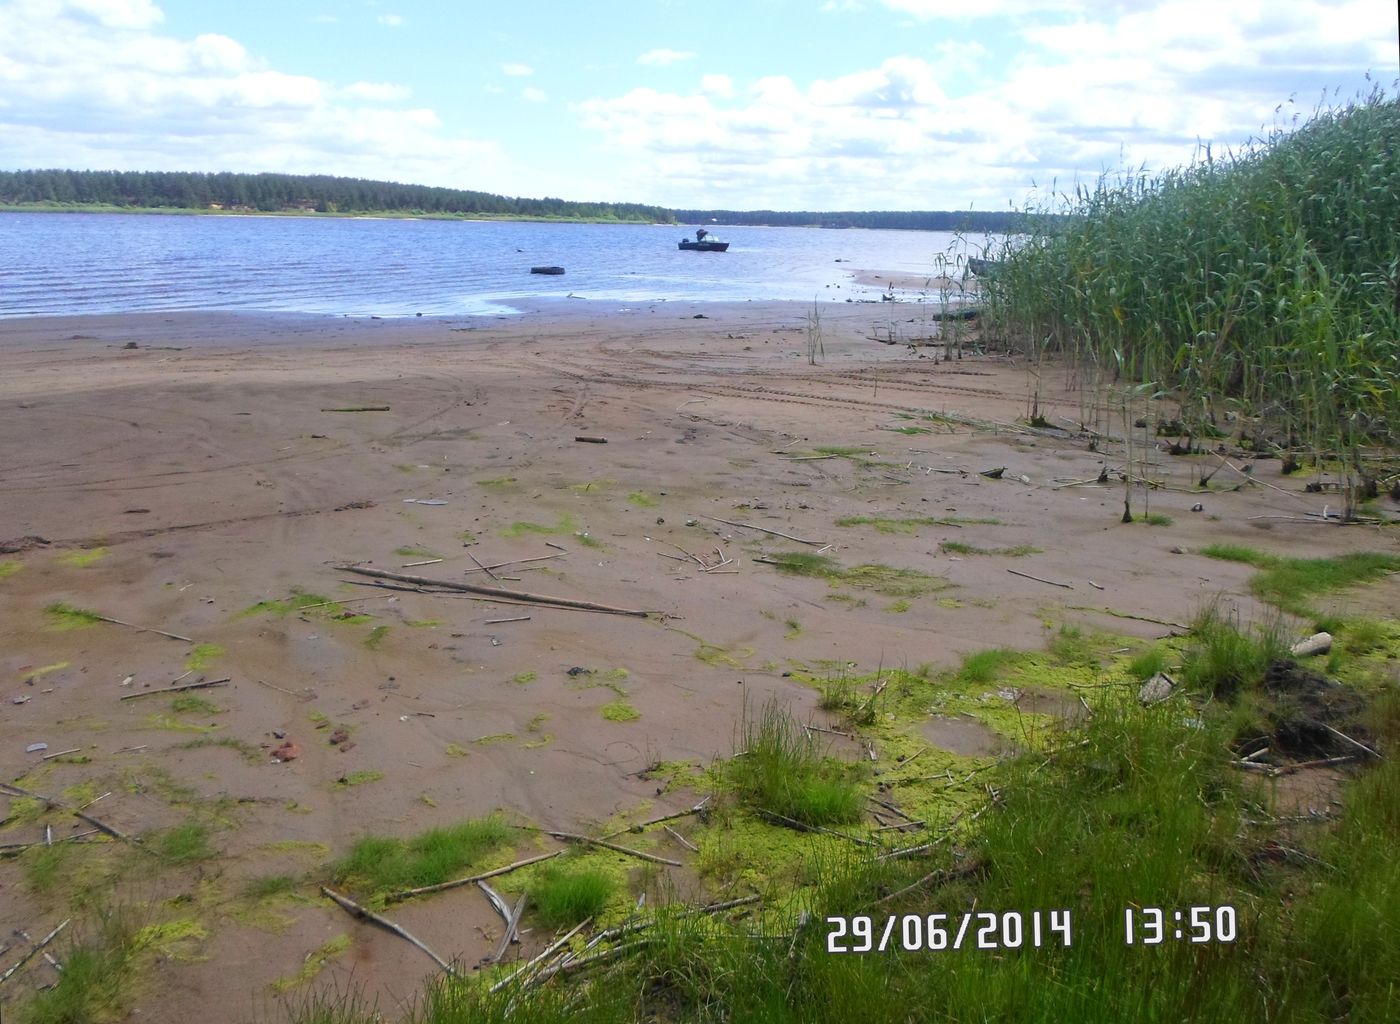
x=700, y=234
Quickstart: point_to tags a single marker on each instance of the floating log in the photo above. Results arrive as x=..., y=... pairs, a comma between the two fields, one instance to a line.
x=550, y=271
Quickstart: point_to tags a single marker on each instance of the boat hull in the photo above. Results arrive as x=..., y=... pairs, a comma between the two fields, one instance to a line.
x=705, y=246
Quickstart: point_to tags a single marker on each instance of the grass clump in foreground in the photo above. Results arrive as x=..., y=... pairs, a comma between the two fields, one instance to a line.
x=1287, y=583
x=1142, y=809
x=780, y=771
x=1223, y=660
x=565, y=895
x=384, y=864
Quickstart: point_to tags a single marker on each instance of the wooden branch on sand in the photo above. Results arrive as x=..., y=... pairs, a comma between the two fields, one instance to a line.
x=457, y=883
x=1028, y=576
x=146, y=629
x=548, y=952
x=33, y=951
x=178, y=689
x=574, y=837
x=802, y=826
x=515, y=596
x=59, y=805
x=763, y=529
x=355, y=910
x=654, y=821
x=512, y=923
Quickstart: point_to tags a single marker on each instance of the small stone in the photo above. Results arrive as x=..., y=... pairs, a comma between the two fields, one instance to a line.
x=288, y=751
x=1198, y=507
x=660, y=521
x=338, y=737
x=1178, y=551
x=1157, y=689
x=278, y=734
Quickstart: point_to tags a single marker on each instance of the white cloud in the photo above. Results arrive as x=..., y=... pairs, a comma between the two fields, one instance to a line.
x=376, y=92
x=96, y=84
x=717, y=85
x=118, y=14
x=391, y=20
x=1090, y=87
x=534, y=95
x=517, y=70
x=663, y=57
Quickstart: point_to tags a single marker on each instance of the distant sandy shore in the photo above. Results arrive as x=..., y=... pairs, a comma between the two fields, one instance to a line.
x=184, y=480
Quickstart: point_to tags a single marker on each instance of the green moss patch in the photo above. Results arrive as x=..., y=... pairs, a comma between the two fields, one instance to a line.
x=1288, y=582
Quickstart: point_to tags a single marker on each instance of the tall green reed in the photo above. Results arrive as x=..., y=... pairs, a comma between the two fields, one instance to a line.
x=1262, y=287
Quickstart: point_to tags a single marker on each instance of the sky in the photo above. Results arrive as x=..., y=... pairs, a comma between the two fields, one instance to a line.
x=760, y=104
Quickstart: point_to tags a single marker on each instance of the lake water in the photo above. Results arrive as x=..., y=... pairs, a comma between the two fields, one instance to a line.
x=54, y=263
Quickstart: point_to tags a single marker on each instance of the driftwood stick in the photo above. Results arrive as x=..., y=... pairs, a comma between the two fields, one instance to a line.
x=653, y=821
x=681, y=839
x=512, y=923
x=395, y=897
x=830, y=732
x=1128, y=615
x=715, y=908
x=587, y=961
x=889, y=807
x=1355, y=743
x=59, y=805
x=33, y=951
x=576, y=838
x=514, y=618
x=178, y=689
x=802, y=826
x=513, y=595
x=764, y=529
x=484, y=568
x=146, y=629
x=11, y=849
x=939, y=877
x=355, y=910
x=540, y=958
x=61, y=753
x=497, y=901
x=1028, y=576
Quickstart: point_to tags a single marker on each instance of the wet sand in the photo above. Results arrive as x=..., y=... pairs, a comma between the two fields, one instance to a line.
x=181, y=482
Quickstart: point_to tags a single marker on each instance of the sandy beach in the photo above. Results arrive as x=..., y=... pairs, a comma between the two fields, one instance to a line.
x=186, y=471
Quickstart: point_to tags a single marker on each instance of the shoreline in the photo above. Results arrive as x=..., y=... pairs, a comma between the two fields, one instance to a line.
x=202, y=481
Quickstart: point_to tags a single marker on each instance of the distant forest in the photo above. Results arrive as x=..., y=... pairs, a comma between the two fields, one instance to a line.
x=971, y=221
x=289, y=193
x=321, y=193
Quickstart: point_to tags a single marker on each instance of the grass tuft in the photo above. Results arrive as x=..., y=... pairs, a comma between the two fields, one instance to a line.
x=381, y=864
x=781, y=772
x=1223, y=659
x=1287, y=583
x=183, y=844
x=64, y=616
x=563, y=896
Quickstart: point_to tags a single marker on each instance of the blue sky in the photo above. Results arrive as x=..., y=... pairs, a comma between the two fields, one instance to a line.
x=783, y=104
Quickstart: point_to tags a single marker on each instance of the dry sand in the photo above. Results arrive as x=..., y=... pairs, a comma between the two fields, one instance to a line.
x=183, y=481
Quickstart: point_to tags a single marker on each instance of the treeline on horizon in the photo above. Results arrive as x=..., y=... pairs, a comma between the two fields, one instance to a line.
x=972, y=221
x=287, y=193
x=327, y=194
